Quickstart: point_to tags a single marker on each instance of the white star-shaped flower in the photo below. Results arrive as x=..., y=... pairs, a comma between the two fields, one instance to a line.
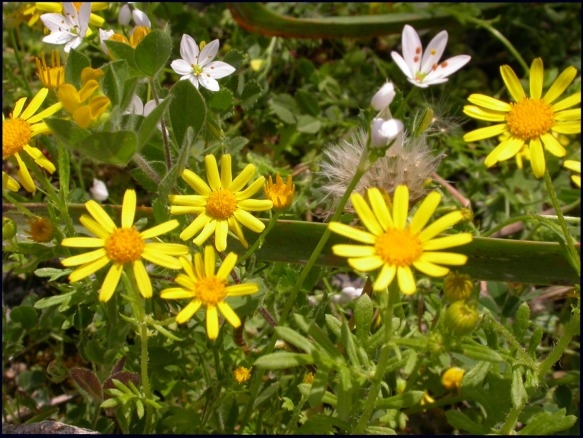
x=423, y=68
x=198, y=66
x=70, y=28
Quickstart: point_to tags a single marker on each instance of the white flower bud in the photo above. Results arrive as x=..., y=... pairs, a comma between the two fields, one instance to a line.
x=124, y=15
x=141, y=19
x=99, y=190
x=383, y=131
x=383, y=97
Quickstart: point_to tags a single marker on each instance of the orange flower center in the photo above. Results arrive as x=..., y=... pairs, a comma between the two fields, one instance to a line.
x=211, y=290
x=16, y=134
x=530, y=118
x=279, y=193
x=41, y=230
x=221, y=204
x=398, y=247
x=124, y=245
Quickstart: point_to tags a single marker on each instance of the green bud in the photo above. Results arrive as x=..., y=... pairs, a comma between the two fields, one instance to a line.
x=521, y=321
x=457, y=287
x=461, y=319
x=8, y=228
x=535, y=339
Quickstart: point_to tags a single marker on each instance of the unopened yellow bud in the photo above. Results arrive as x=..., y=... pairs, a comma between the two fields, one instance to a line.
x=457, y=287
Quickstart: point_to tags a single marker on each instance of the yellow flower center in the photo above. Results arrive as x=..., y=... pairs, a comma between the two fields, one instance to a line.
x=398, y=247
x=16, y=134
x=124, y=245
x=211, y=290
x=41, y=230
x=221, y=204
x=242, y=374
x=197, y=69
x=530, y=118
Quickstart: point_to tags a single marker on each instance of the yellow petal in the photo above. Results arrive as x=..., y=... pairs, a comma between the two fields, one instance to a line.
x=536, y=78
x=229, y=314
x=512, y=83
x=406, y=280
x=212, y=322
x=142, y=279
x=186, y=313
x=110, y=282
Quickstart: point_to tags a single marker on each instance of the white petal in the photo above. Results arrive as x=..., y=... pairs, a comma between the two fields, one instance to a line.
x=54, y=22
x=451, y=66
x=208, y=53
x=433, y=52
x=208, y=82
x=181, y=67
x=124, y=15
x=383, y=97
x=141, y=19
x=189, y=50
x=150, y=106
x=83, y=18
x=136, y=106
x=412, y=49
x=219, y=69
x=59, y=37
x=402, y=65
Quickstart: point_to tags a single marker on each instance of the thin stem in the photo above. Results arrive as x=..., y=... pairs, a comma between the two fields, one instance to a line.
x=572, y=255
x=163, y=124
x=522, y=355
x=145, y=166
x=261, y=238
x=511, y=420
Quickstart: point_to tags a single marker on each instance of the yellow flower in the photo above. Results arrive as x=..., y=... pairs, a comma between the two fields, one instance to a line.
x=53, y=76
x=530, y=121
x=9, y=183
x=221, y=204
x=85, y=106
x=426, y=399
x=282, y=195
x=242, y=374
x=575, y=166
x=138, y=34
x=394, y=246
x=452, y=378
x=124, y=246
x=40, y=230
x=20, y=128
x=205, y=288
x=35, y=10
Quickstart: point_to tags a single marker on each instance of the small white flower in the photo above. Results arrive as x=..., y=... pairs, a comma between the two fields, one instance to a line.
x=196, y=65
x=383, y=97
x=68, y=29
x=140, y=18
x=347, y=295
x=137, y=107
x=99, y=190
x=424, y=69
x=383, y=131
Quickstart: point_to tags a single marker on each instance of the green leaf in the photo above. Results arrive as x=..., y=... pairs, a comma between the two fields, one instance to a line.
x=547, y=423
x=284, y=107
x=363, y=314
x=67, y=131
x=319, y=336
x=187, y=109
x=52, y=273
x=294, y=338
x=139, y=408
x=76, y=62
x=462, y=422
x=319, y=386
x=109, y=403
x=149, y=125
x=474, y=377
x=333, y=324
x=307, y=102
x=153, y=52
x=234, y=57
x=119, y=51
x=344, y=394
x=282, y=360
x=308, y=124
x=43, y=303
x=517, y=390
x=348, y=342
x=521, y=321
x=380, y=430
x=26, y=316
x=110, y=147
x=480, y=352
x=222, y=100
x=251, y=93
x=116, y=75
x=401, y=401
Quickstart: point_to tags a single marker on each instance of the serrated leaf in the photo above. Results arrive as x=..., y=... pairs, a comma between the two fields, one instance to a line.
x=153, y=52
x=333, y=324
x=546, y=423
x=344, y=394
x=43, y=303
x=88, y=380
x=517, y=391
x=481, y=352
x=234, y=57
x=474, y=377
x=52, y=273
x=222, y=100
x=187, y=109
x=282, y=360
x=251, y=93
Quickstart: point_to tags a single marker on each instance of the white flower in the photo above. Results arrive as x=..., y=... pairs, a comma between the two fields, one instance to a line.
x=383, y=131
x=347, y=295
x=424, y=69
x=68, y=29
x=99, y=190
x=137, y=107
x=104, y=35
x=196, y=66
x=383, y=97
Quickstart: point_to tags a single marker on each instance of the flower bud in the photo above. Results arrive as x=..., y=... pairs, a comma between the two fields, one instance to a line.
x=383, y=97
x=461, y=319
x=8, y=228
x=40, y=230
x=383, y=131
x=452, y=378
x=99, y=190
x=242, y=374
x=457, y=287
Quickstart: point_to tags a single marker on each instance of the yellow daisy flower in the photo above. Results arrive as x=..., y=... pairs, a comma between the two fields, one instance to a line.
x=205, y=288
x=221, y=204
x=394, y=246
x=530, y=121
x=124, y=246
x=452, y=378
x=575, y=166
x=20, y=128
x=35, y=10
x=242, y=374
x=280, y=193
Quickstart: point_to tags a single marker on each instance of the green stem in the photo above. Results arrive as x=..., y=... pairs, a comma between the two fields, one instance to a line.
x=522, y=355
x=261, y=239
x=572, y=255
x=486, y=25
x=572, y=328
x=511, y=420
x=369, y=404
x=165, y=140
